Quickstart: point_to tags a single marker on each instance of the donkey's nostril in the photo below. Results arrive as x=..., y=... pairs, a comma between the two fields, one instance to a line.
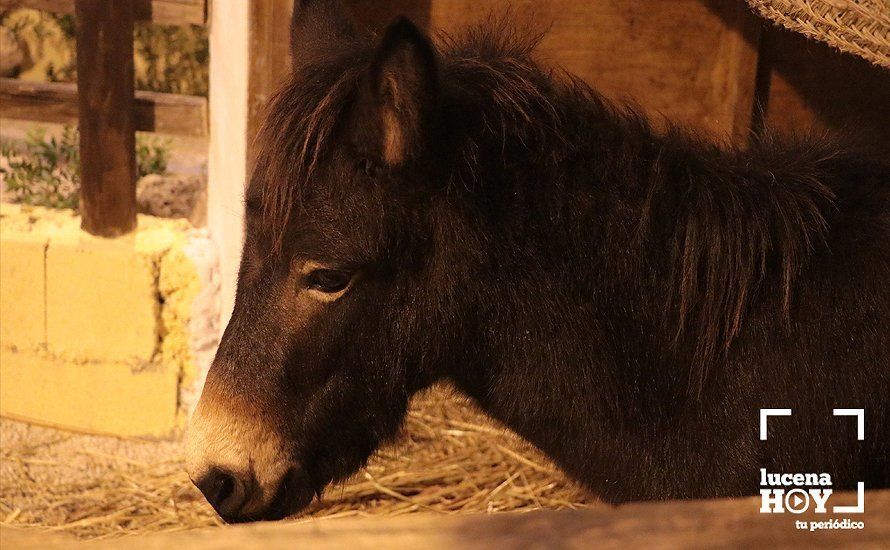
x=217, y=487
x=224, y=491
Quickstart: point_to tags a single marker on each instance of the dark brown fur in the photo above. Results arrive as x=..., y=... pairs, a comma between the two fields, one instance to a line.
x=623, y=298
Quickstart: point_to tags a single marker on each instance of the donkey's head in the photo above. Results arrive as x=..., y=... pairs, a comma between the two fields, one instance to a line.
x=328, y=337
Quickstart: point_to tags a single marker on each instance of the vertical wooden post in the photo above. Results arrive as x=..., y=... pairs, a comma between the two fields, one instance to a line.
x=105, y=98
x=227, y=158
x=269, y=59
x=249, y=42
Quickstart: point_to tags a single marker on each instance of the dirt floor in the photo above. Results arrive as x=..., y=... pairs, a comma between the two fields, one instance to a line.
x=450, y=459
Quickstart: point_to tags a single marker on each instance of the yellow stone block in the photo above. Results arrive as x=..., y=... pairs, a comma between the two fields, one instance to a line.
x=22, y=291
x=95, y=332
x=93, y=397
x=102, y=300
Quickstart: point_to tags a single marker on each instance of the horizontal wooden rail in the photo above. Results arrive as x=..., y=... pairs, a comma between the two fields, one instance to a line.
x=162, y=12
x=56, y=102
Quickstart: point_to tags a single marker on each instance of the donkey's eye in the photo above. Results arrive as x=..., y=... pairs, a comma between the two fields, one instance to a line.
x=328, y=280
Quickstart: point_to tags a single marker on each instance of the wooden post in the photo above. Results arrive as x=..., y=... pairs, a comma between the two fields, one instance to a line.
x=106, y=118
x=227, y=158
x=250, y=45
x=269, y=58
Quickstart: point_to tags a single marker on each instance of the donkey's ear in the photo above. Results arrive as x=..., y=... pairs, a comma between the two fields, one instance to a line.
x=317, y=28
x=403, y=78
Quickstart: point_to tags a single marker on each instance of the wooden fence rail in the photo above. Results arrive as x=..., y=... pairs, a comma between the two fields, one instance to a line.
x=56, y=103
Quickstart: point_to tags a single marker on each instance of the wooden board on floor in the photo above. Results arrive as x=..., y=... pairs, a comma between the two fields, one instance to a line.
x=727, y=523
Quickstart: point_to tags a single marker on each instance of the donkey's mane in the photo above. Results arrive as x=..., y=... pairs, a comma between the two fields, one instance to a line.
x=492, y=61
x=298, y=130
x=737, y=225
x=745, y=225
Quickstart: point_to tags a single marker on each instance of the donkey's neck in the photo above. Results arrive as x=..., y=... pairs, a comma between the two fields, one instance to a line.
x=613, y=303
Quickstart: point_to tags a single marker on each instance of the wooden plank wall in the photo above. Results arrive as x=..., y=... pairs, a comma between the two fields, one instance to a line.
x=690, y=61
x=811, y=85
x=269, y=60
x=693, y=62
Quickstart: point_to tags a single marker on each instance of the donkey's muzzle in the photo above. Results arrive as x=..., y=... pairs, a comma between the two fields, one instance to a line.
x=235, y=497
x=226, y=492
x=245, y=467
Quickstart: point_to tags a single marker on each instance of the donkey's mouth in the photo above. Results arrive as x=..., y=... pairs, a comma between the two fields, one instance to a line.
x=295, y=492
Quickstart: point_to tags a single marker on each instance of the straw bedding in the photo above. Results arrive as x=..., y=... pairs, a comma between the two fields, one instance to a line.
x=450, y=460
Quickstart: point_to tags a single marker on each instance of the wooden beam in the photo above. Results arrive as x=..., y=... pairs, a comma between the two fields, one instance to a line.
x=723, y=523
x=250, y=45
x=734, y=78
x=269, y=58
x=56, y=102
x=227, y=154
x=106, y=122
x=813, y=87
x=162, y=12
x=691, y=62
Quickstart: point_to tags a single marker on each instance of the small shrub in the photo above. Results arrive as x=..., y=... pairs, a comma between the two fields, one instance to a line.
x=46, y=172
x=152, y=155
x=171, y=59
x=43, y=172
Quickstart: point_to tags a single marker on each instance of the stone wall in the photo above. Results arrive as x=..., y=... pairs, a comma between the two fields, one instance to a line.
x=103, y=335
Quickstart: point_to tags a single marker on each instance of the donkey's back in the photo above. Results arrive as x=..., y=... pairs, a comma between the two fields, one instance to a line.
x=771, y=292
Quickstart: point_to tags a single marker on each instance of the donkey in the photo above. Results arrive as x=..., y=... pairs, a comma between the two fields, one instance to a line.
x=624, y=298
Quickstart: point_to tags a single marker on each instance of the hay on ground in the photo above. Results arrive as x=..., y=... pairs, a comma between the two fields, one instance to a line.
x=450, y=460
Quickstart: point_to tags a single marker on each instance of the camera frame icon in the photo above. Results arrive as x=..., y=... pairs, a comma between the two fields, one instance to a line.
x=859, y=508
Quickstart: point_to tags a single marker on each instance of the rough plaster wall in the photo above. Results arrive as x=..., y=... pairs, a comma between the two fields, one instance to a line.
x=104, y=335
x=204, y=327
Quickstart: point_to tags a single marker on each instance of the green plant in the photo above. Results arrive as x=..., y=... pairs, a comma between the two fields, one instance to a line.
x=45, y=171
x=152, y=155
x=47, y=41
